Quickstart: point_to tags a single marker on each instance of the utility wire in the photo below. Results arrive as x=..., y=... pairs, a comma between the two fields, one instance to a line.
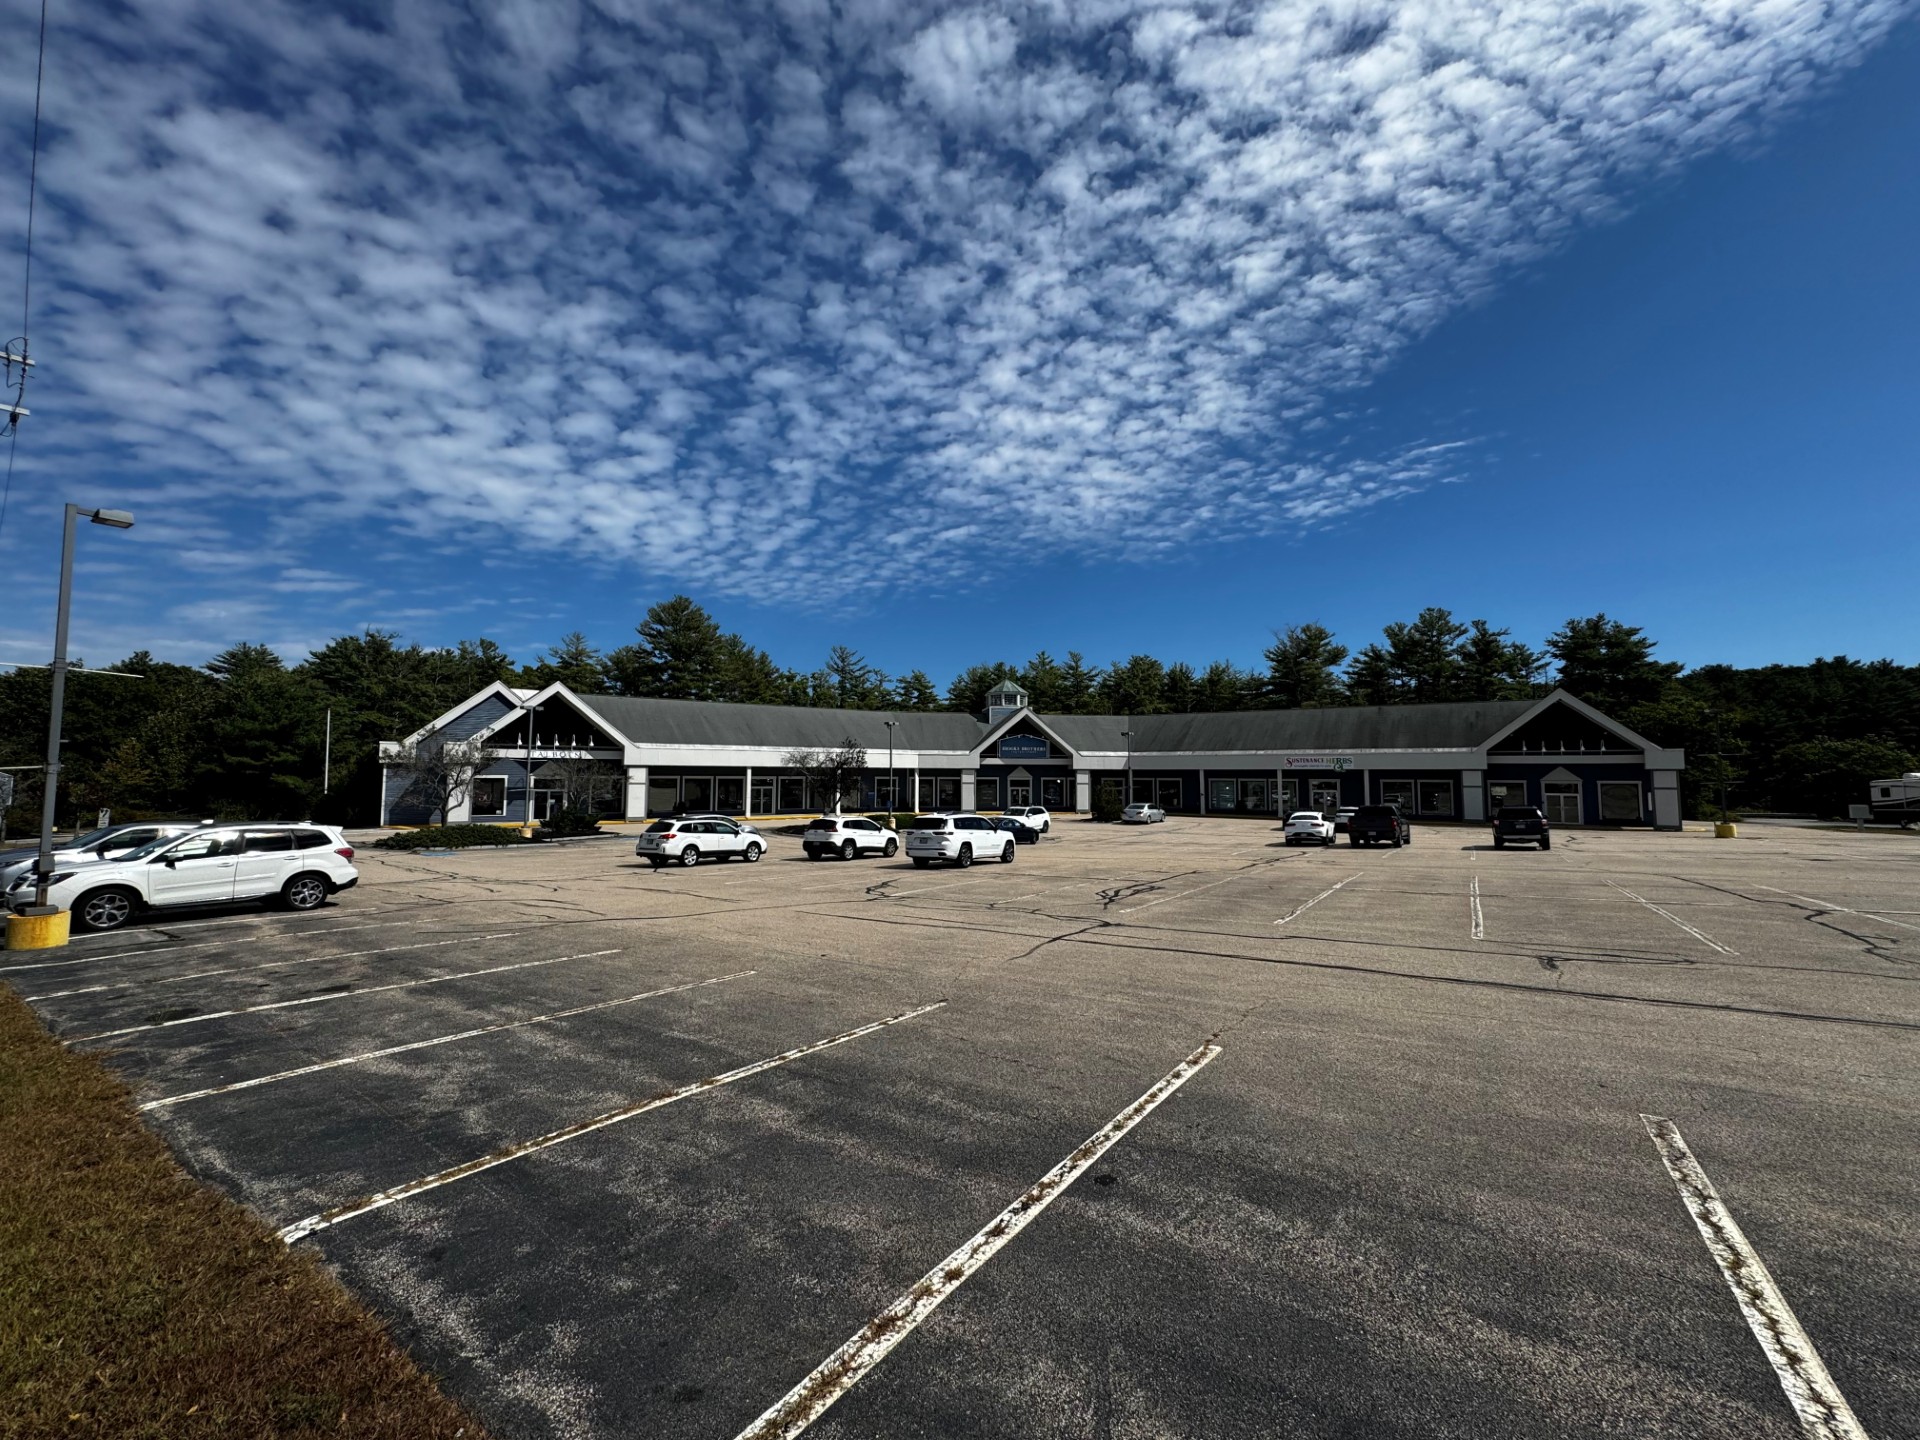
x=26, y=283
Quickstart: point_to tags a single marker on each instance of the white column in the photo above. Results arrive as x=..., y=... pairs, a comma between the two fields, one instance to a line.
x=916, y=790
x=746, y=798
x=1280, y=792
x=636, y=807
x=968, y=790
x=1203, y=792
x=1473, y=794
x=1082, y=791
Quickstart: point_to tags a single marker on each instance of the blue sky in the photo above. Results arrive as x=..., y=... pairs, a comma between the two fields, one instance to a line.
x=952, y=332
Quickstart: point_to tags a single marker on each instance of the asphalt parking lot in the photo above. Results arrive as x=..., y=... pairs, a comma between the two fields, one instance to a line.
x=1153, y=1132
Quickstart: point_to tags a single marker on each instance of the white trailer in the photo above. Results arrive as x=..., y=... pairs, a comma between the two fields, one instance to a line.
x=1896, y=800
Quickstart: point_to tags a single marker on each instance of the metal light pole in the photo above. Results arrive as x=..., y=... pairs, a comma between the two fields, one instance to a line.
x=326, y=755
x=893, y=785
x=1129, y=739
x=118, y=520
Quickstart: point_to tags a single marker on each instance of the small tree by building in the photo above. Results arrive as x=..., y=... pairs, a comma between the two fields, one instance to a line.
x=833, y=775
x=582, y=783
x=440, y=773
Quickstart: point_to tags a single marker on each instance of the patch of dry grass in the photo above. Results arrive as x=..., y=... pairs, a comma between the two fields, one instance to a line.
x=137, y=1302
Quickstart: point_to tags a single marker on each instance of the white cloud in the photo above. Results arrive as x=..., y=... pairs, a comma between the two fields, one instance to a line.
x=715, y=279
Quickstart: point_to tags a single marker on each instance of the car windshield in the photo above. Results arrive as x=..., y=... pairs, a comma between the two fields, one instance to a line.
x=152, y=847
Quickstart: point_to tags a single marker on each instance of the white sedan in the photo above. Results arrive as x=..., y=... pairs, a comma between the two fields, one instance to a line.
x=1308, y=827
x=1141, y=813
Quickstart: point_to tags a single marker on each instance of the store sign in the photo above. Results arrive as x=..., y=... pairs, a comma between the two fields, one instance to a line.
x=1339, y=764
x=1023, y=747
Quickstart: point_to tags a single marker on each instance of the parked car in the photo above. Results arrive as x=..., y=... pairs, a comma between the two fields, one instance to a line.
x=108, y=843
x=1342, y=817
x=848, y=836
x=295, y=865
x=1019, y=828
x=1525, y=824
x=956, y=839
x=1308, y=827
x=1141, y=813
x=1038, y=816
x=1372, y=824
x=689, y=841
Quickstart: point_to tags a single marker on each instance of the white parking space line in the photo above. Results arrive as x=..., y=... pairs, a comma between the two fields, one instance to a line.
x=1823, y=1411
x=1838, y=909
x=302, y=1228
x=269, y=965
x=1177, y=895
x=1705, y=940
x=1300, y=910
x=439, y=1040
x=843, y=1369
x=334, y=995
x=1477, y=930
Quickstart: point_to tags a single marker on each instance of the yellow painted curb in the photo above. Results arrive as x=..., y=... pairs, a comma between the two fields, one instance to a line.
x=37, y=932
x=1725, y=830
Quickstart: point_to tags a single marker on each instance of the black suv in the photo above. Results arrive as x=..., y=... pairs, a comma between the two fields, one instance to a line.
x=1373, y=823
x=1524, y=824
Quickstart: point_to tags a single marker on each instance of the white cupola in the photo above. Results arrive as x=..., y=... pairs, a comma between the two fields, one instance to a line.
x=1004, y=700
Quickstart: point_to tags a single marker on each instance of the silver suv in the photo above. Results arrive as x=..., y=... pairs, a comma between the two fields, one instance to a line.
x=956, y=839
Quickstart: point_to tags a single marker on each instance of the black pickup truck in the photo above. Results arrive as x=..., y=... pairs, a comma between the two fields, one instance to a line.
x=1523, y=824
x=1373, y=823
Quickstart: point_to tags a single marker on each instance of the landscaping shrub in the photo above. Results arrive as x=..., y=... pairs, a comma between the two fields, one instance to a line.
x=451, y=837
x=1106, y=806
x=564, y=824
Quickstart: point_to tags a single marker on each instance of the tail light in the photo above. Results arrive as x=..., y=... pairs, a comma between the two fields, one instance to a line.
x=671, y=835
x=345, y=852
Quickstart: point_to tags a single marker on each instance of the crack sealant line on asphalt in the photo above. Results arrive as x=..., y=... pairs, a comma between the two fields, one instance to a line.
x=333, y=995
x=326, y=1218
x=269, y=965
x=1180, y=894
x=1837, y=909
x=1822, y=1410
x=1300, y=910
x=1477, y=930
x=1705, y=940
x=842, y=1370
x=438, y=1040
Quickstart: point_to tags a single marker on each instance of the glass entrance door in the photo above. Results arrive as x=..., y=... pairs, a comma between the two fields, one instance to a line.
x=1561, y=801
x=1019, y=792
x=1326, y=796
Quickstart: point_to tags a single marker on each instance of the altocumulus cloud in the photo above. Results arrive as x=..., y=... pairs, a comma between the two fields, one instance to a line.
x=702, y=286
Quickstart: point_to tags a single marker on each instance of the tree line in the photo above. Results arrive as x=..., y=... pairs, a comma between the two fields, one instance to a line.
x=243, y=736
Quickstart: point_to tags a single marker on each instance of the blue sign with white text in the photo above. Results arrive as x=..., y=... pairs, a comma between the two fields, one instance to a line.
x=1023, y=747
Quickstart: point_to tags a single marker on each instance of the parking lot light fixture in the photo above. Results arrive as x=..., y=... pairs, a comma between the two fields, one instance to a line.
x=893, y=785
x=43, y=863
x=1127, y=735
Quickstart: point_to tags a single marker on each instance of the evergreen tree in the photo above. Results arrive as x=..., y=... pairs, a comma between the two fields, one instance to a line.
x=573, y=663
x=1303, y=668
x=748, y=676
x=1042, y=680
x=1180, y=692
x=1079, y=692
x=1608, y=664
x=915, y=691
x=1492, y=667
x=1224, y=686
x=1137, y=687
x=1425, y=664
x=680, y=655
x=856, y=684
x=1370, y=678
x=970, y=688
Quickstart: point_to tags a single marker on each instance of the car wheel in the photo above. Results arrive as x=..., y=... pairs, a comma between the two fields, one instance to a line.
x=751, y=853
x=891, y=848
x=106, y=909
x=1546, y=844
x=1353, y=840
x=965, y=857
x=1006, y=855
x=1398, y=842
x=920, y=862
x=304, y=892
x=690, y=856
x=1499, y=843
x=848, y=850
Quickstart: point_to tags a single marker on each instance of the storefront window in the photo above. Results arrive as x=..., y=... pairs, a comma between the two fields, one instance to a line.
x=1619, y=800
x=1397, y=792
x=490, y=795
x=947, y=792
x=1166, y=794
x=1221, y=795
x=987, y=792
x=730, y=794
x=1505, y=792
x=696, y=792
x=1053, y=792
x=793, y=792
x=1436, y=797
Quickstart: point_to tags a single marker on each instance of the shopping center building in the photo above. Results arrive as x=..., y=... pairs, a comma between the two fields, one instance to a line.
x=646, y=757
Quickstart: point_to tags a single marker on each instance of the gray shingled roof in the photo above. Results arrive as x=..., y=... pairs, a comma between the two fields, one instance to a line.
x=702, y=722
x=1334, y=729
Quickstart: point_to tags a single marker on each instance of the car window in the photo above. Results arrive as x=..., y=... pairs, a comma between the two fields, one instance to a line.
x=196, y=847
x=310, y=839
x=660, y=827
x=928, y=822
x=264, y=840
x=130, y=840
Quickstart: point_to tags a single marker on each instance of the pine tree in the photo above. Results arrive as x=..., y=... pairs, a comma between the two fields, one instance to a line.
x=573, y=663
x=1137, y=687
x=1370, y=678
x=1303, y=667
x=1079, y=692
x=915, y=691
x=1492, y=667
x=1608, y=664
x=680, y=655
x=1424, y=663
x=856, y=684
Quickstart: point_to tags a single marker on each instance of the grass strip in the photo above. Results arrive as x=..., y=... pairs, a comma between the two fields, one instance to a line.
x=137, y=1302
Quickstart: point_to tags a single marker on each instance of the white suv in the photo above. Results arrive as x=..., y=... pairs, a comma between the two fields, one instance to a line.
x=107, y=844
x=960, y=839
x=848, y=836
x=1038, y=816
x=696, y=838
x=1308, y=827
x=296, y=865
